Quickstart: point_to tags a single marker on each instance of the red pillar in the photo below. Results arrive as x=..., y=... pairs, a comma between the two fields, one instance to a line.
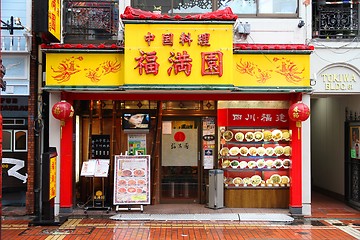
x=296, y=170
x=66, y=164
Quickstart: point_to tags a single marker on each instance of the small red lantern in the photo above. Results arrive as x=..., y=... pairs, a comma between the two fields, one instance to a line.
x=62, y=111
x=299, y=112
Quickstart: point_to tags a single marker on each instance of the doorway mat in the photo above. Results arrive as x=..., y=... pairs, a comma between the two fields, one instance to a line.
x=263, y=217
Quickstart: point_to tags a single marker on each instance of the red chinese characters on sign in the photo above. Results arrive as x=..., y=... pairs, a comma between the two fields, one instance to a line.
x=147, y=62
x=167, y=39
x=52, y=22
x=204, y=39
x=185, y=38
x=180, y=63
x=212, y=63
x=253, y=117
x=149, y=37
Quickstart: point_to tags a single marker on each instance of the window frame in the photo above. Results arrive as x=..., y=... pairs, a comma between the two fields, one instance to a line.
x=11, y=140
x=256, y=15
x=14, y=141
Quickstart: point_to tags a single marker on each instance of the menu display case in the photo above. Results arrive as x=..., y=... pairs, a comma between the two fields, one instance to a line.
x=256, y=164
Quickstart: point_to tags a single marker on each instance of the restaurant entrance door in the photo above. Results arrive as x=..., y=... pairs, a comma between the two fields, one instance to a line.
x=180, y=161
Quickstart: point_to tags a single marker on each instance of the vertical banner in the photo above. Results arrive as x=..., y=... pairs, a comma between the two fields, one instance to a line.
x=52, y=184
x=208, y=142
x=132, y=179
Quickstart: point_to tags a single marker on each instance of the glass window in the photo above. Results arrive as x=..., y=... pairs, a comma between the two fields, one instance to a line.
x=239, y=6
x=20, y=141
x=7, y=140
x=174, y=6
x=277, y=6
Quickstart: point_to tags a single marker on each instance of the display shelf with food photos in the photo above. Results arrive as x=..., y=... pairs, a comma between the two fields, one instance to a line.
x=256, y=164
x=255, y=157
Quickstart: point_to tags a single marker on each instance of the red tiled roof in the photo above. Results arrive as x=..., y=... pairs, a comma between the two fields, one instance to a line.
x=137, y=14
x=238, y=47
x=80, y=46
x=241, y=46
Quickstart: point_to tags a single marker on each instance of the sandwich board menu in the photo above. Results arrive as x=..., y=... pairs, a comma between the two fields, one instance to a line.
x=132, y=179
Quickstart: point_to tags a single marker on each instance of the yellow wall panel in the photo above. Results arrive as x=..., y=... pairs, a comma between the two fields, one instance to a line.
x=84, y=69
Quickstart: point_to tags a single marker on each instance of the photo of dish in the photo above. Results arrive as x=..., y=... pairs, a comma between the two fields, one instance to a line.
x=139, y=173
x=258, y=136
x=225, y=164
x=126, y=173
x=244, y=151
x=251, y=164
x=243, y=164
x=284, y=180
x=276, y=135
x=275, y=178
x=224, y=151
x=247, y=180
x=249, y=136
x=279, y=150
x=287, y=150
x=278, y=163
x=234, y=164
x=267, y=135
x=260, y=163
x=255, y=180
x=131, y=190
x=237, y=181
x=286, y=163
x=239, y=136
x=132, y=182
x=141, y=182
x=252, y=151
x=228, y=181
x=269, y=163
x=269, y=151
x=227, y=135
x=234, y=151
x=261, y=151
x=286, y=135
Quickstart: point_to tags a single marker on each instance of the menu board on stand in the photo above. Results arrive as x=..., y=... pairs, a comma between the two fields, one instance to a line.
x=96, y=168
x=131, y=182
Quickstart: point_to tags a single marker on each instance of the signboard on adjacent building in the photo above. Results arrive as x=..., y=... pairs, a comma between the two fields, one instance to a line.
x=338, y=78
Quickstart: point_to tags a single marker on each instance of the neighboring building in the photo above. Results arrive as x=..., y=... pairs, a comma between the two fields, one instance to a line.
x=335, y=77
x=18, y=102
x=199, y=81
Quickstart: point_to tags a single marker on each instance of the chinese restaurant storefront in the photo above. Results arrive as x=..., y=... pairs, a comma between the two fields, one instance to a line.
x=197, y=103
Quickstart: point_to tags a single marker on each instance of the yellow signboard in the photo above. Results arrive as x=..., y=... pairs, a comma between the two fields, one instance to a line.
x=84, y=69
x=52, y=184
x=54, y=18
x=272, y=70
x=178, y=54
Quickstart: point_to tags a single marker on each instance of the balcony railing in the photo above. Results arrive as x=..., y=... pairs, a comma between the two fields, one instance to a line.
x=13, y=43
x=336, y=21
x=91, y=21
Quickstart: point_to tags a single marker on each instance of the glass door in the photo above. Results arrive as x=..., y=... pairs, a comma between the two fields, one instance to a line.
x=180, y=161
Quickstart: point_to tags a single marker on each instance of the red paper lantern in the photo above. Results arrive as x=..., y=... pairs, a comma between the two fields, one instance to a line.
x=62, y=111
x=299, y=112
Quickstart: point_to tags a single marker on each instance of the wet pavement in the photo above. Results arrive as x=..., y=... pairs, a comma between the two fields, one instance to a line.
x=330, y=219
